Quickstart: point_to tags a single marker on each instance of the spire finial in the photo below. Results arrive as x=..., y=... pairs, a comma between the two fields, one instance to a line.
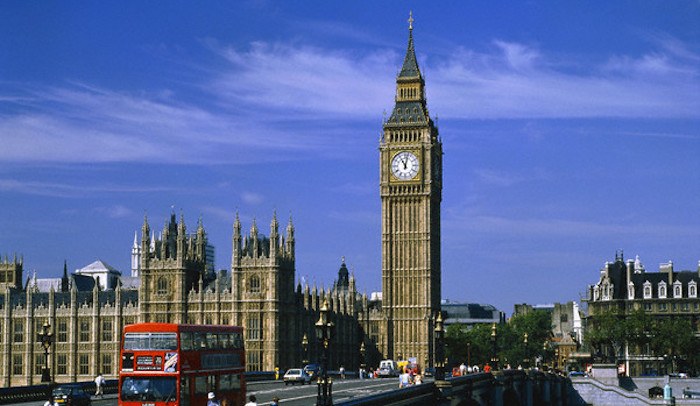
x=410, y=20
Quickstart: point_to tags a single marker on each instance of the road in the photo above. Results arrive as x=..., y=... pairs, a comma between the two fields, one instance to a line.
x=292, y=395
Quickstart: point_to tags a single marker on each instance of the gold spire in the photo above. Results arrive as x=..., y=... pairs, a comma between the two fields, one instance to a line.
x=410, y=20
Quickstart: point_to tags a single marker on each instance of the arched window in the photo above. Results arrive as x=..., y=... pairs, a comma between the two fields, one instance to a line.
x=647, y=290
x=692, y=289
x=677, y=290
x=662, y=290
x=630, y=291
x=254, y=286
x=162, y=285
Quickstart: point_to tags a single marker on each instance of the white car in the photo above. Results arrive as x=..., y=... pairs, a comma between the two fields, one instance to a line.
x=296, y=375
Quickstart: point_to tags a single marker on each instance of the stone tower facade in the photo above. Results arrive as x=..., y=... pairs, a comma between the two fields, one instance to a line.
x=171, y=267
x=411, y=192
x=262, y=275
x=11, y=273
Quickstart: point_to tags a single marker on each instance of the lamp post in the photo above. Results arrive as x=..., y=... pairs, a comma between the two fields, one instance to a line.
x=526, y=359
x=324, y=333
x=545, y=350
x=469, y=354
x=362, y=359
x=439, y=356
x=46, y=339
x=305, y=349
x=494, y=344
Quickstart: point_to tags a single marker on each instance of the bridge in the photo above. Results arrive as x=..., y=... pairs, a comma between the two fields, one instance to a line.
x=508, y=387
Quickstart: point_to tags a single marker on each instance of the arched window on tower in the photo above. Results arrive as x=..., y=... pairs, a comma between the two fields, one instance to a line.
x=254, y=284
x=162, y=285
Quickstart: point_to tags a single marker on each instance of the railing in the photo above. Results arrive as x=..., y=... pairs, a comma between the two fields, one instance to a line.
x=423, y=394
x=19, y=394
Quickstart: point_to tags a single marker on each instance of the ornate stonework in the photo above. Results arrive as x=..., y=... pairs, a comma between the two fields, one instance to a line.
x=411, y=192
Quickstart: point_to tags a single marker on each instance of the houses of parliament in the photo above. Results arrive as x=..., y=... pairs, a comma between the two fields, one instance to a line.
x=173, y=281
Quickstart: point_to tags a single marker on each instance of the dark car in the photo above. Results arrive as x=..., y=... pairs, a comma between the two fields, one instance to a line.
x=71, y=394
x=312, y=370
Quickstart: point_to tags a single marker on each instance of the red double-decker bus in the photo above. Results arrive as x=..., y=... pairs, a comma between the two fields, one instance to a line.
x=179, y=364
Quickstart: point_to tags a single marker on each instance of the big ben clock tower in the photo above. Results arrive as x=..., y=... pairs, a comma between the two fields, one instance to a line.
x=411, y=191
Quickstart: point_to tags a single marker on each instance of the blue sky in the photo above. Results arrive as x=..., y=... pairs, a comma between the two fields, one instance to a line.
x=570, y=130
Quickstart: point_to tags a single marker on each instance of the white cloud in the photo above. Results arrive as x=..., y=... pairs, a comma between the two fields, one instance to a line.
x=275, y=97
x=116, y=211
x=252, y=198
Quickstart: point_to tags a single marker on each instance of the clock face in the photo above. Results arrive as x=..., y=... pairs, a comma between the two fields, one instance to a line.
x=404, y=165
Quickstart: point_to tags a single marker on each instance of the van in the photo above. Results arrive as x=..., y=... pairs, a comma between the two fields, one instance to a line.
x=387, y=368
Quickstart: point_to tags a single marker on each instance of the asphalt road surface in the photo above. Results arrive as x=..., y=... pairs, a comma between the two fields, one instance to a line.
x=292, y=395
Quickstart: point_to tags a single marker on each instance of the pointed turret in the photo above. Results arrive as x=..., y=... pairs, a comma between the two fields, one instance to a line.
x=343, y=277
x=254, y=237
x=290, y=239
x=236, y=252
x=274, y=237
x=64, y=279
x=410, y=63
x=410, y=108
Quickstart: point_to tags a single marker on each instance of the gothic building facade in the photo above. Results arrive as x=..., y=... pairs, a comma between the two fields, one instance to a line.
x=411, y=192
x=172, y=280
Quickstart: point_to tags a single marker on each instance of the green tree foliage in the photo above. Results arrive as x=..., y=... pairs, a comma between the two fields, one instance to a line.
x=477, y=343
x=672, y=338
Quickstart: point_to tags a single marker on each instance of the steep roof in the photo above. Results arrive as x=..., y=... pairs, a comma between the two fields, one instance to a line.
x=410, y=63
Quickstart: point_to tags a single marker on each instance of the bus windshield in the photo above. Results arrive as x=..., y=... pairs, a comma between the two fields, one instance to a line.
x=152, y=389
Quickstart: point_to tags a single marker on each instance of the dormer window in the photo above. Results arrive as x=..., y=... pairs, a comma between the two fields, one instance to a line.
x=677, y=289
x=693, y=289
x=647, y=290
x=630, y=291
x=596, y=292
x=607, y=292
x=662, y=290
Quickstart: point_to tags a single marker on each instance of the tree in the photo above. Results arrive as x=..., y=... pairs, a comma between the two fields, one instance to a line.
x=606, y=333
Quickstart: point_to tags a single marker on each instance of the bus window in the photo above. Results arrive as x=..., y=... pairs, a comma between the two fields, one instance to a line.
x=200, y=341
x=152, y=389
x=163, y=341
x=212, y=341
x=200, y=385
x=150, y=341
x=186, y=342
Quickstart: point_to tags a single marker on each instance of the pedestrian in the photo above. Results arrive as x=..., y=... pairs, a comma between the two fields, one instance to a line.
x=487, y=368
x=212, y=399
x=99, y=383
x=418, y=379
x=342, y=372
x=404, y=379
x=252, y=401
x=462, y=369
x=275, y=401
x=51, y=401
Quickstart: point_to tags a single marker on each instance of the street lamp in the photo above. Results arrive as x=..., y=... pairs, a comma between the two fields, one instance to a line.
x=324, y=333
x=362, y=359
x=526, y=360
x=469, y=354
x=494, y=344
x=545, y=351
x=305, y=349
x=439, y=357
x=46, y=339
